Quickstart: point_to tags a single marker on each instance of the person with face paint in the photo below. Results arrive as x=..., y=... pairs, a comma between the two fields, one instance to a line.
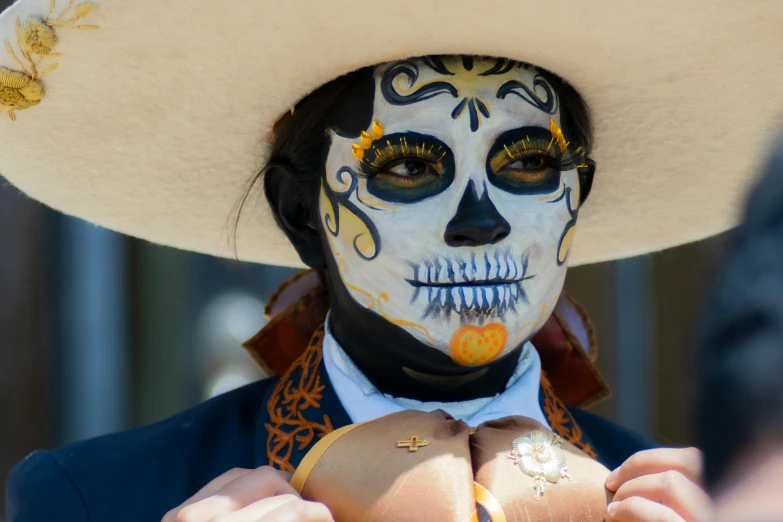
x=430, y=366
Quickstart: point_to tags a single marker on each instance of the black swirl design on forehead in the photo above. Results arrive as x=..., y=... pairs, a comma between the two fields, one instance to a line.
x=548, y=103
x=411, y=71
x=437, y=65
x=395, y=93
x=502, y=66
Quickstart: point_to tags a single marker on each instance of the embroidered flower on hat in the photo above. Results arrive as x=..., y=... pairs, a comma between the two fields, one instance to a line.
x=36, y=39
x=18, y=91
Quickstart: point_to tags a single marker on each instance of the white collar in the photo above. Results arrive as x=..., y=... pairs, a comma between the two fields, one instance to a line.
x=363, y=402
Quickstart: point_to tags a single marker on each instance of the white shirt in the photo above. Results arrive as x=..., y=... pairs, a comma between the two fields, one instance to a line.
x=363, y=402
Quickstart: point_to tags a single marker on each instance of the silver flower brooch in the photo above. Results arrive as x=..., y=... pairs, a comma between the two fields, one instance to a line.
x=539, y=456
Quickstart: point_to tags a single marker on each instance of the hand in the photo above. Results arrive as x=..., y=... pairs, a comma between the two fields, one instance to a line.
x=659, y=485
x=245, y=495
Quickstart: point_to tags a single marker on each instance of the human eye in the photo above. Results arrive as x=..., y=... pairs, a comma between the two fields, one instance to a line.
x=524, y=162
x=404, y=156
x=531, y=165
x=407, y=167
x=413, y=168
x=530, y=160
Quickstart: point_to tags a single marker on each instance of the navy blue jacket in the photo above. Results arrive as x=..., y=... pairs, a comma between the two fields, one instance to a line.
x=139, y=475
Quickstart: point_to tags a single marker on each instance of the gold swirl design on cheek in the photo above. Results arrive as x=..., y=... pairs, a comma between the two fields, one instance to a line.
x=383, y=297
x=353, y=221
x=401, y=89
x=371, y=303
x=341, y=263
x=538, y=322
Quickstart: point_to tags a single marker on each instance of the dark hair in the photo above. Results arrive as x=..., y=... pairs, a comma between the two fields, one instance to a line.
x=301, y=140
x=741, y=340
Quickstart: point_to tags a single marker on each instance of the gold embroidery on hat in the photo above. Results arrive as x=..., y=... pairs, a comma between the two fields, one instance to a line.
x=36, y=39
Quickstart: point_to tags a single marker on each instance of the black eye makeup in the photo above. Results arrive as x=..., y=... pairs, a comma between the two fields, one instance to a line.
x=529, y=160
x=407, y=167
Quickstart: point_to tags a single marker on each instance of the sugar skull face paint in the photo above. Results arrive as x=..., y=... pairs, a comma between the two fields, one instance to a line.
x=452, y=215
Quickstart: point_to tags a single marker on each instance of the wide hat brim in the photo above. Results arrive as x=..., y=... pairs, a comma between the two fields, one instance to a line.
x=153, y=123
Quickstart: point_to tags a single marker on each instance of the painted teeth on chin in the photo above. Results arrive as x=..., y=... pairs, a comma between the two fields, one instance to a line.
x=470, y=295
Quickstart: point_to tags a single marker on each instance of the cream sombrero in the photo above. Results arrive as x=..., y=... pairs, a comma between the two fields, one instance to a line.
x=149, y=116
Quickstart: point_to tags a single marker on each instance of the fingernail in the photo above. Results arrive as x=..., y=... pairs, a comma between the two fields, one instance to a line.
x=611, y=508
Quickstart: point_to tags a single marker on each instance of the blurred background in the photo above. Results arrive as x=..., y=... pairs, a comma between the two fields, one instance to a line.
x=100, y=332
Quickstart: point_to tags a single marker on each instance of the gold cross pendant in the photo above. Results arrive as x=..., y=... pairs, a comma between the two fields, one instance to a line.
x=413, y=444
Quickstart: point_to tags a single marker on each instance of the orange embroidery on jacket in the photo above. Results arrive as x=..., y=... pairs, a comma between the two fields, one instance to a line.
x=561, y=421
x=299, y=389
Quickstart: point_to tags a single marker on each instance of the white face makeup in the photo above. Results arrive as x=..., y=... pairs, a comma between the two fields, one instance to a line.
x=452, y=216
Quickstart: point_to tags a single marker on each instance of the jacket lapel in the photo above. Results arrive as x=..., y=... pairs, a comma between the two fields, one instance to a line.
x=560, y=419
x=300, y=409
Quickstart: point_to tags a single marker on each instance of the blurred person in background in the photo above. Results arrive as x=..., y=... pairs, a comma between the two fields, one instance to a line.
x=431, y=366
x=741, y=408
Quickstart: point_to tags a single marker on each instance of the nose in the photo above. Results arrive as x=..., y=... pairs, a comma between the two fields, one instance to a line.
x=477, y=222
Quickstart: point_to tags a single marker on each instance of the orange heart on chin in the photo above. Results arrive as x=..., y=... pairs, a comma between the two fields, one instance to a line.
x=474, y=345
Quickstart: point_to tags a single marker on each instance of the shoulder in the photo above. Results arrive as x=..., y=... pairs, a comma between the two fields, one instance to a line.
x=612, y=442
x=142, y=473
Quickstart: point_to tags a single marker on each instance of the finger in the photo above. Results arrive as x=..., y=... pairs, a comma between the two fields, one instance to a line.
x=671, y=489
x=279, y=509
x=258, y=484
x=302, y=512
x=687, y=461
x=210, y=489
x=637, y=509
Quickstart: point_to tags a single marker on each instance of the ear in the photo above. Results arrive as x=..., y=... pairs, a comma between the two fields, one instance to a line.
x=292, y=206
x=586, y=175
